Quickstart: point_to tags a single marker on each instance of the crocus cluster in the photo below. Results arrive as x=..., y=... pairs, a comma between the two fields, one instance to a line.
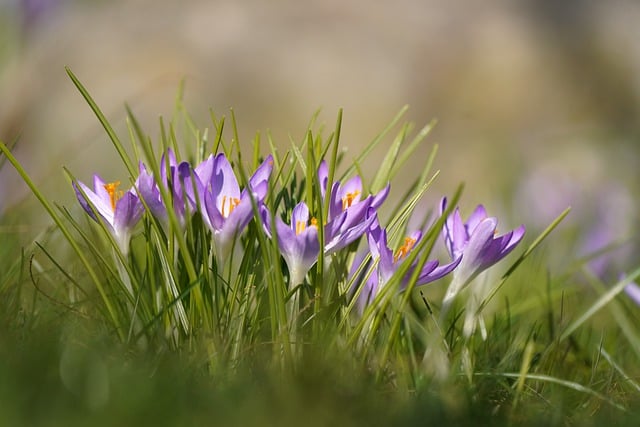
x=349, y=217
x=212, y=190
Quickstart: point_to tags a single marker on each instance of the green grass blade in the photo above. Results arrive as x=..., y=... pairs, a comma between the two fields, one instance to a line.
x=105, y=123
x=604, y=299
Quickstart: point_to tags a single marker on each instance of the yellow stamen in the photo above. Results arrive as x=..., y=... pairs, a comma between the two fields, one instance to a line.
x=301, y=225
x=227, y=208
x=404, y=250
x=347, y=200
x=114, y=194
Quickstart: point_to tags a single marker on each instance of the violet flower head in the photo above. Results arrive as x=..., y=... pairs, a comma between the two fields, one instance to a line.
x=344, y=197
x=388, y=263
x=119, y=210
x=298, y=242
x=224, y=208
x=349, y=215
x=477, y=242
x=176, y=179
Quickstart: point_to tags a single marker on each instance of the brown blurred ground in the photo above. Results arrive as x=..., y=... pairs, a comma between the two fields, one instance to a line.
x=518, y=88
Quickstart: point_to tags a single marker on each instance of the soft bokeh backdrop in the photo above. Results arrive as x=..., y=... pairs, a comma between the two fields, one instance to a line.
x=537, y=101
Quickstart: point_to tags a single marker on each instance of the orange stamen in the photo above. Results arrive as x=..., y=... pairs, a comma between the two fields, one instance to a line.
x=404, y=250
x=347, y=200
x=230, y=206
x=114, y=194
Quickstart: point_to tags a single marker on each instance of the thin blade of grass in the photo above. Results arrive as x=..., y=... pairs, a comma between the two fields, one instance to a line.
x=105, y=123
x=604, y=299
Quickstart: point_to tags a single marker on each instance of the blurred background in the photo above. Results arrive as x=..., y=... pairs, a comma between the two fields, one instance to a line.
x=537, y=102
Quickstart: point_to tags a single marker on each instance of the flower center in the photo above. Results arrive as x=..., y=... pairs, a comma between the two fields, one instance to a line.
x=114, y=194
x=404, y=250
x=348, y=199
x=228, y=205
x=302, y=225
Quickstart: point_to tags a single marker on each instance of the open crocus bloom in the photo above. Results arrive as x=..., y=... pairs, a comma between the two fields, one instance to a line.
x=389, y=262
x=119, y=210
x=176, y=178
x=344, y=197
x=225, y=209
x=348, y=216
x=298, y=242
x=477, y=241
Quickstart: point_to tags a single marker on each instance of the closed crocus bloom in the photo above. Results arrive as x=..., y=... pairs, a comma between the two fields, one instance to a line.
x=225, y=209
x=298, y=241
x=119, y=210
x=478, y=243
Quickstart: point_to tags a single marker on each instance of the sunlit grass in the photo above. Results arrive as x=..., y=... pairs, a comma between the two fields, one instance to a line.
x=178, y=325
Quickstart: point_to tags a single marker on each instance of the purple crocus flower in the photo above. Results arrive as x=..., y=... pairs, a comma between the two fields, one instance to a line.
x=476, y=240
x=225, y=209
x=176, y=178
x=119, y=210
x=347, y=195
x=348, y=215
x=298, y=242
x=388, y=263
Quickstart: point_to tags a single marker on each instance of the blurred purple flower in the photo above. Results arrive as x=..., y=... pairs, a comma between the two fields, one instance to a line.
x=34, y=11
x=603, y=206
x=633, y=291
x=119, y=210
x=388, y=263
x=176, y=179
x=476, y=241
x=226, y=210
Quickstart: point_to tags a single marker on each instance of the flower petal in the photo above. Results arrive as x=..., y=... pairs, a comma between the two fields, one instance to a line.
x=431, y=271
x=224, y=182
x=101, y=204
x=474, y=253
x=262, y=174
x=323, y=177
x=380, y=197
x=474, y=219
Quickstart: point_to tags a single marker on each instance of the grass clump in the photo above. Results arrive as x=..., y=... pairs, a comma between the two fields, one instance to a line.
x=222, y=282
